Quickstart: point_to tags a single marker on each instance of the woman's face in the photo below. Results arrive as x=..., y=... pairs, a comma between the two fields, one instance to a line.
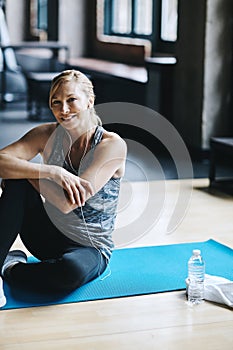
x=67, y=103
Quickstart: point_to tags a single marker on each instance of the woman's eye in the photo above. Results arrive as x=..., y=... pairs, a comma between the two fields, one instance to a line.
x=54, y=103
x=71, y=99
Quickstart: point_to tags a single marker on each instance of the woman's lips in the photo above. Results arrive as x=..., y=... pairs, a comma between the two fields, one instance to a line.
x=67, y=119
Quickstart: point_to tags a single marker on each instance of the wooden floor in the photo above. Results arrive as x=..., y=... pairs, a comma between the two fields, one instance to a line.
x=159, y=321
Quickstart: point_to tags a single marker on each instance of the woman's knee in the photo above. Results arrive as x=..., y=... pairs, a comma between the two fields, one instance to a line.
x=77, y=272
x=72, y=273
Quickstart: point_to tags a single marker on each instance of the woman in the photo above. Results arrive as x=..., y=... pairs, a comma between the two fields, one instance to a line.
x=65, y=208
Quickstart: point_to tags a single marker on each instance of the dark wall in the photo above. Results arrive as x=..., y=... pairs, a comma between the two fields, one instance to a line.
x=189, y=72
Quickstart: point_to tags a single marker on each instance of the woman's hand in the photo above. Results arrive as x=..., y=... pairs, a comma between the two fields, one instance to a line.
x=76, y=188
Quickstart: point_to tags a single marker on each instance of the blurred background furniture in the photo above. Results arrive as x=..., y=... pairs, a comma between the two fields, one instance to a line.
x=27, y=68
x=13, y=83
x=221, y=154
x=40, y=62
x=36, y=70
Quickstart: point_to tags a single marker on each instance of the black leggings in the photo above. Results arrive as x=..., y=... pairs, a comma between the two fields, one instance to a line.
x=64, y=265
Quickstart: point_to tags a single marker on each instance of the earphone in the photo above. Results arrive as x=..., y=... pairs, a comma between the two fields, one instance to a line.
x=81, y=209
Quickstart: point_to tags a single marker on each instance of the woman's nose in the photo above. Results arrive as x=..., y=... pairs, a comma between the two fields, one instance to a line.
x=65, y=108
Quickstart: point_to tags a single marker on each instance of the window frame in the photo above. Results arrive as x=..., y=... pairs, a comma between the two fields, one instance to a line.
x=51, y=32
x=153, y=42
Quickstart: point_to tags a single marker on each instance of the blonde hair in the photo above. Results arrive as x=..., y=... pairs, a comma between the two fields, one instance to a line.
x=85, y=84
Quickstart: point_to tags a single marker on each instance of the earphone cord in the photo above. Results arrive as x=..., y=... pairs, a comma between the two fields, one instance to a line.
x=81, y=209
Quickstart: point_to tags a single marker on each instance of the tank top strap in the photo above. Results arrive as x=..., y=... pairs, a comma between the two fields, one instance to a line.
x=98, y=135
x=57, y=156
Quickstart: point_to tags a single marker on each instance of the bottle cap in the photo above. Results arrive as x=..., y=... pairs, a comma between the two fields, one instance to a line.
x=196, y=252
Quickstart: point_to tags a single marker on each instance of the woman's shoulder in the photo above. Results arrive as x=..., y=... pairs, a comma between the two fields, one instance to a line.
x=42, y=131
x=40, y=134
x=110, y=137
x=46, y=128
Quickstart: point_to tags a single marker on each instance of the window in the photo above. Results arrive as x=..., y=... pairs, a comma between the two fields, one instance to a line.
x=132, y=18
x=169, y=19
x=44, y=16
x=39, y=18
x=143, y=17
x=154, y=21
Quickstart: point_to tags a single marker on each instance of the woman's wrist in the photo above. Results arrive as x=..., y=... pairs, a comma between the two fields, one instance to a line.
x=50, y=172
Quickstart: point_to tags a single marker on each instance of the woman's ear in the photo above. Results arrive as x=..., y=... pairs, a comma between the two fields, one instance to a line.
x=91, y=102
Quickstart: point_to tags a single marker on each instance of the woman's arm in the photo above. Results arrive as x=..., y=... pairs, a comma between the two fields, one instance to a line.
x=14, y=164
x=59, y=197
x=109, y=161
x=14, y=159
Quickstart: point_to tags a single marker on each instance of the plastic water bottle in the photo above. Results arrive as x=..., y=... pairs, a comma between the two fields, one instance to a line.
x=196, y=276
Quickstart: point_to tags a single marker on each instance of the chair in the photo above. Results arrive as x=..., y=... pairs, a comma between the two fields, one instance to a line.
x=13, y=83
x=221, y=154
x=39, y=71
x=24, y=71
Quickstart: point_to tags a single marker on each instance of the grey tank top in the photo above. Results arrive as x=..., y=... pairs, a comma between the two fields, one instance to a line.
x=92, y=224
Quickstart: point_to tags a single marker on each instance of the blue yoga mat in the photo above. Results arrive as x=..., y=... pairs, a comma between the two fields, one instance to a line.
x=137, y=271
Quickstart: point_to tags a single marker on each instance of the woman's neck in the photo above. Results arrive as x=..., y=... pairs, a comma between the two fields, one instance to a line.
x=80, y=138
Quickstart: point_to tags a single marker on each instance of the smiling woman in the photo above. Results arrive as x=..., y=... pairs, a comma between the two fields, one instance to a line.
x=65, y=208
x=81, y=95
